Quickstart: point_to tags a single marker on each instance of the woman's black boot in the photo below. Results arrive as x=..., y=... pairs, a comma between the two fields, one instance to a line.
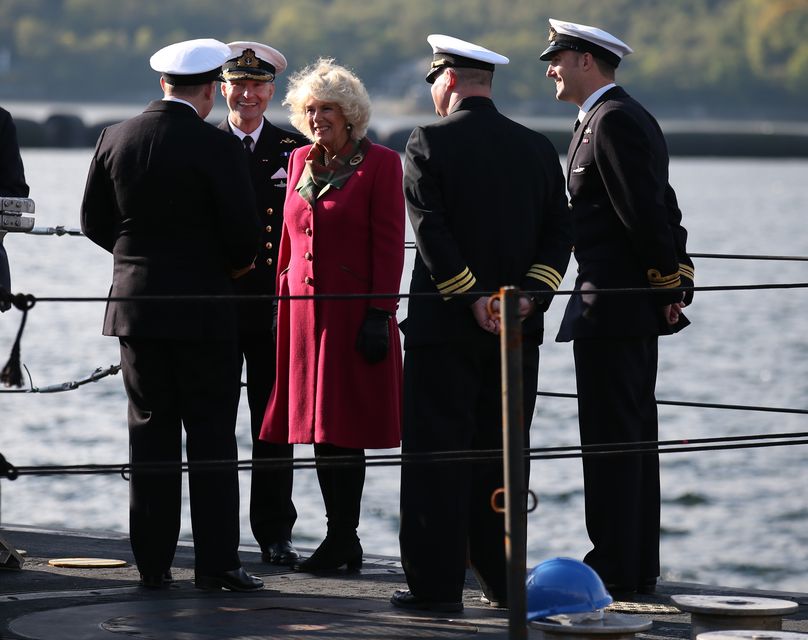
x=336, y=551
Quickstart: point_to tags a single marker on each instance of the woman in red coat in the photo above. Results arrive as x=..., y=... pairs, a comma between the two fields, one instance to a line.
x=338, y=382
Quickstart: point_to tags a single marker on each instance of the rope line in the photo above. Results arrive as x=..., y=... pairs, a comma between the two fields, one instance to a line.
x=100, y=373
x=718, y=443
x=422, y=294
x=701, y=405
x=61, y=230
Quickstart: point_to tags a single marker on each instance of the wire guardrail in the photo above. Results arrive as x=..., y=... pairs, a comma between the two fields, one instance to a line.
x=25, y=302
x=61, y=230
x=680, y=445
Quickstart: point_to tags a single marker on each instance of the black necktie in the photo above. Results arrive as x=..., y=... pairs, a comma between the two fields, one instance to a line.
x=247, y=144
x=574, y=127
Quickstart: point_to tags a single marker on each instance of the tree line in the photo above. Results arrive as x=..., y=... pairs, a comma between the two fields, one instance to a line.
x=692, y=57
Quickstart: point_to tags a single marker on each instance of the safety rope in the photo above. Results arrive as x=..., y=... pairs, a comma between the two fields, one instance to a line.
x=98, y=374
x=11, y=375
x=409, y=244
x=681, y=445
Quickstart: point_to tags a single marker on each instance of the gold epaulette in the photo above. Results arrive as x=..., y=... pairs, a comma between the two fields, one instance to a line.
x=657, y=280
x=687, y=271
x=460, y=283
x=545, y=274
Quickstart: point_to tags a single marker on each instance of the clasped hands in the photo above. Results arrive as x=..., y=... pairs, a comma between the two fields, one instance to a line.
x=491, y=321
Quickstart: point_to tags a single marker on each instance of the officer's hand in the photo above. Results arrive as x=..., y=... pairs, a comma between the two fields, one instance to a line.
x=527, y=306
x=672, y=312
x=373, y=340
x=237, y=273
x=487, y=322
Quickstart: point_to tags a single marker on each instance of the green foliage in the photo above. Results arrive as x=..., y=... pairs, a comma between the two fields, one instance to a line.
x=697, y=52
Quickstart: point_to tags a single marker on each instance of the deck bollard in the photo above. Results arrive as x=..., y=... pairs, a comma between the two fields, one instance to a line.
x=720, y=613
x=611, y=626
x=753, y=634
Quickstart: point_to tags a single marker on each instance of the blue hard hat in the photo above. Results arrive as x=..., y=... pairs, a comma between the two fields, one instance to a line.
x=564, y=585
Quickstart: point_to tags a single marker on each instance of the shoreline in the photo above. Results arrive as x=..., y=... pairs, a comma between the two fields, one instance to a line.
x=76, y=125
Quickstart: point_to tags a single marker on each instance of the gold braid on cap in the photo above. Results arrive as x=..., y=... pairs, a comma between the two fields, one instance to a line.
x=247, y=59
x=238, y=74
x=553, y=34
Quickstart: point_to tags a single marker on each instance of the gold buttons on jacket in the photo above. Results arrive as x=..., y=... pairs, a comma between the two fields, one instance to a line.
x=268, y=228
x=308, y=256
x=308, y=280
x=268, y=245
x=270, y=211
x=308, y=232
x=269, y=261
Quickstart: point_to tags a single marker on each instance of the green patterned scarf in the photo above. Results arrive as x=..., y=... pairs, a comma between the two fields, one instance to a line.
x=317, y=178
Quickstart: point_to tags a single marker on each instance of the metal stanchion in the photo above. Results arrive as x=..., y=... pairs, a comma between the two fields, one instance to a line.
x=513, y=451
x=10, y=558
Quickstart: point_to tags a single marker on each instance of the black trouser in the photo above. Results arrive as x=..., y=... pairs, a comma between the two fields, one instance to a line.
x=171, y=384
x=453, y=402
x=341, y=484
x=272, y=513
x=616, y=404
x=5, y=273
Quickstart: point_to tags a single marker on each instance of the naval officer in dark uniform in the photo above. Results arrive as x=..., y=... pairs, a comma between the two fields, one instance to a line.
x=12, y=183
x=170, y=197
x=248, y=87
x=486, y=200
x=628, y=234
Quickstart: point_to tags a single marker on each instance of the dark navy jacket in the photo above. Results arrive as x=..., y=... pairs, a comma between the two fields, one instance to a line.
x=268, y=164
x=485, y=196
x=626, y=223
x=170, y=197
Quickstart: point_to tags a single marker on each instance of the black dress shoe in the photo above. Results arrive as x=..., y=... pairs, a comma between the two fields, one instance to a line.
x=235, y=580
x=334, y=552
x=494, y=601
x=281, y=553
x=647, y=587
x=406, y=600
x=621, y=591
x=156, y=580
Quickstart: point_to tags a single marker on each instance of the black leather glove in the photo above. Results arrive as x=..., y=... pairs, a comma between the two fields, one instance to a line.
x=373, y=340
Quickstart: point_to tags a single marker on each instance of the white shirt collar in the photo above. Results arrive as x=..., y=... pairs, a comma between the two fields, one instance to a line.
x=173, y=99
x=241, y=135
x=591, y=100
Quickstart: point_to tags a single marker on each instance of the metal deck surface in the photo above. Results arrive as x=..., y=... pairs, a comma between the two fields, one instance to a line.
x=45, y=602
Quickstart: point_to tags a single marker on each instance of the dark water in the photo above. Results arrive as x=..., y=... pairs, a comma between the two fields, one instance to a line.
x=734, y=517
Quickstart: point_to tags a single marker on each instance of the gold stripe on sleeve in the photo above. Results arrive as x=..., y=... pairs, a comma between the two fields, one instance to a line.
x=545, y=274
x=461, y=283
x=656, y=279
x=687, y=271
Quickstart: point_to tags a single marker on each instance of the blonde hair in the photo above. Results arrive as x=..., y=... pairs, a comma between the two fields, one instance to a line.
x=327, y=81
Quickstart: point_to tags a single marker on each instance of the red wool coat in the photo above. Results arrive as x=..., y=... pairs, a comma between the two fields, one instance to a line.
x=351, y=241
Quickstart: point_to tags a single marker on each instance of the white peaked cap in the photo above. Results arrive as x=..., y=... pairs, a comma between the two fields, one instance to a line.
x=253, y=60
x=581, y=37
x=190, y=57
x=448, y=51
